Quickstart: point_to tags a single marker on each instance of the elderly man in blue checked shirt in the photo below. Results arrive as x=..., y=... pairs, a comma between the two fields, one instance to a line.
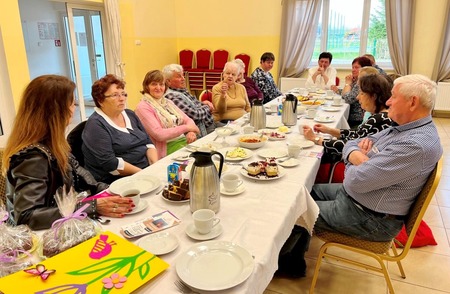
x=199, y=112
x=384, y=172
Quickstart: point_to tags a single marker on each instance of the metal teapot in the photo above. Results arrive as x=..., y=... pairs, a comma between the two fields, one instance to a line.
x=204, y=183
x=289, y=115
x=258, y=115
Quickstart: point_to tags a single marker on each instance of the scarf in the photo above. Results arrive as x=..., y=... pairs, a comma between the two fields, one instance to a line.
x=165, y=111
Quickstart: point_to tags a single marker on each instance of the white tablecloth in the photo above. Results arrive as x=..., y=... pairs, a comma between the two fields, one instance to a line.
x=260, y=219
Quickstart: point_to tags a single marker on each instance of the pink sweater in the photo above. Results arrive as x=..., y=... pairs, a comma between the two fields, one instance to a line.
x=157, y=133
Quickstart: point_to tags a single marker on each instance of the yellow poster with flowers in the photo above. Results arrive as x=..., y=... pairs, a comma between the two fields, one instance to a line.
x=99, y=265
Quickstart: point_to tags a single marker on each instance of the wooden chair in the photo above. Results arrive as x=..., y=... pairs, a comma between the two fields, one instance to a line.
x=2, y=182
x=379, y=250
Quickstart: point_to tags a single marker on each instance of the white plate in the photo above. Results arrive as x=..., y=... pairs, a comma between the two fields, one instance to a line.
x=238, y=190
x=273, y=152
x=212, y=146
x=303, y=143
x=215, y=265
x=278, y=138
x=175, y=201
x=144, y=183
x=329, y=97
x=248, y=153
x=273, y=124
x=182, y=157
x=331, y=109
x=267, y=132
x=159, y=243
x=281, y=173
x=216, y=163
x=143, y=204
x=192, y=232
x=324, y=119
x=291, y=162
x=337, y=105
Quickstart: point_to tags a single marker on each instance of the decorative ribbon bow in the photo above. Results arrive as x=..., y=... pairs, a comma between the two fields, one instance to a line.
x=79, y=214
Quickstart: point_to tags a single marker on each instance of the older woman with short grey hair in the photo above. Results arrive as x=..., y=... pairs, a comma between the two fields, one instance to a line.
x=229, y=98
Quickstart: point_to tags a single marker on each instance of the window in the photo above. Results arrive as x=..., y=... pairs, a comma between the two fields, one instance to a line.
x=351, y=28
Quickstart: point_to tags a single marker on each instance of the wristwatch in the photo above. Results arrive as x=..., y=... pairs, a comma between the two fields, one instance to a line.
x=316, y=140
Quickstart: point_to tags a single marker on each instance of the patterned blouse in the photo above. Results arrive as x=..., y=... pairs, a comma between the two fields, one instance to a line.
x=356, y=112
x=266, y=84
x=374, y=124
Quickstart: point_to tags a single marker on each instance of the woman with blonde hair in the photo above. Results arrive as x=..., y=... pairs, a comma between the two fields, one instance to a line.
x=37, y=160
x=169, y=128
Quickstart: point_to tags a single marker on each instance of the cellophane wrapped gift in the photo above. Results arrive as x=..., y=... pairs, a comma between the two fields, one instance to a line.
x=16, y=245
x=72, y=229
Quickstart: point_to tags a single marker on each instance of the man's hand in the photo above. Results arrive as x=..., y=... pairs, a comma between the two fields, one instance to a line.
x=210, y=105
x=365, y=146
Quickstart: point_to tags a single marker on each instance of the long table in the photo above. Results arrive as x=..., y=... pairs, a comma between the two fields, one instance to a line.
x=260, y=219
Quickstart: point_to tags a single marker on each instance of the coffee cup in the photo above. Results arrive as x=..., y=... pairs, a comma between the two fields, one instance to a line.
x=205, y=220
x=133, y=194
x=301, y=109
x=248, y=129
x=311, y=113
x=231, y=182
x=330, y=93
x=337, y=100
x=273, y=108
x=294, y=150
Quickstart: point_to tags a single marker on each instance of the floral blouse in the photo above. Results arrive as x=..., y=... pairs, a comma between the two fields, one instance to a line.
x=356, y=112
x=374, y=124
x=266, y=84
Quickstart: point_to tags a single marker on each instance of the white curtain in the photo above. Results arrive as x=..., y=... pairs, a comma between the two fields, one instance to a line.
x=442, y=67
x=399, y=17
x=114, y=37
x=298, y=34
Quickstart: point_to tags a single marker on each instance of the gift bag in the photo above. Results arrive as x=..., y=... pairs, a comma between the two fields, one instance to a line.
x=72, y=229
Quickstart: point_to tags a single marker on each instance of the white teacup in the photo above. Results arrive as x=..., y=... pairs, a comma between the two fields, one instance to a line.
x=231, y=182
x=248, y=129
x=133, y=194
x=301, y=109
x=273, y=108
x=330, y=92
x=337, y=100
x=311, y=113
x=294, y=150
x=205, y=220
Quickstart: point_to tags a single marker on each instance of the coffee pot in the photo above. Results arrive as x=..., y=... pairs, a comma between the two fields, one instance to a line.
x=204, y=183
x=258, y=115
x=289, y=115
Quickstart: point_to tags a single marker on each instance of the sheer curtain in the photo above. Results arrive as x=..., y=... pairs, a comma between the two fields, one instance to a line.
x=399, y=17
x=442, y=67
x=114, y=35
x=298, y=33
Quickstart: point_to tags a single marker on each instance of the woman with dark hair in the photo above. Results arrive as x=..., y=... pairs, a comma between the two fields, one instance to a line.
x=168, y=126
x=115, y=143
x=375, y=90
x=351, y=90
x=264, y=79
x=37, y=160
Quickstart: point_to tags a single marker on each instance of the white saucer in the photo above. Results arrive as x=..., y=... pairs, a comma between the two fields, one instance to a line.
x=159, y=243
x=238, y=190
x=141, y=206
x=192, y=232
x=291, y=162
x=337, y=105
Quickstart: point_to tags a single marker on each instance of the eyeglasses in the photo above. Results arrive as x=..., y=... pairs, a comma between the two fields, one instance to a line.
x=117, y=95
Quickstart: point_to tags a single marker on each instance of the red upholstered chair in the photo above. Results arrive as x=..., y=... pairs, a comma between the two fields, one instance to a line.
x=186, y=59
x=205, y=95
x=337, y=81
x=203, y=59
x=220, y=57
x=246, y=59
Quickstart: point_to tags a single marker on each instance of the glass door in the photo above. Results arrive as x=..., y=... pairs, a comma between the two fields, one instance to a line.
x=84, y=31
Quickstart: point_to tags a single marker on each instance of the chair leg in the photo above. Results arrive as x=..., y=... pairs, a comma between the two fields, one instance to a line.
x=399, y=264
x=323, y=250
x=386, y=276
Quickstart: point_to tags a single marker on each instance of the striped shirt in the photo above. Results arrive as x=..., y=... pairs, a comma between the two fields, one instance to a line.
x=401, y=159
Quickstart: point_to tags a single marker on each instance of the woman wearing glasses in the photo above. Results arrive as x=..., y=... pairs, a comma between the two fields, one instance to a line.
x=168, y=126
x=115, y=143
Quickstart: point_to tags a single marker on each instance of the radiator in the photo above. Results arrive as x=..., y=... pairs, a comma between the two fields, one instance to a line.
x=443, y=97
x=287, y=84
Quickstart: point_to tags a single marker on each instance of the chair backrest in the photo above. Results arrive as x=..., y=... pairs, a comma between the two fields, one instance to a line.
x=203, y=58
x=337, y=81
x=220, y=57
x=2, y=181
x=419, y=206
x=205, y=95
x=75, y=141
x=186, y=59
x=246, y=59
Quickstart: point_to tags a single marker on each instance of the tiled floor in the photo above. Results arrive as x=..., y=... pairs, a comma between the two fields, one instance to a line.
x=427, y=268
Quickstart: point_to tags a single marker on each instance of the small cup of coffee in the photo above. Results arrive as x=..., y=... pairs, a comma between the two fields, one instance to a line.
x=133, y=194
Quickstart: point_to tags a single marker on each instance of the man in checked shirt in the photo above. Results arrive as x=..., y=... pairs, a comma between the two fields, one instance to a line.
x=200, y=112
x=384, y=172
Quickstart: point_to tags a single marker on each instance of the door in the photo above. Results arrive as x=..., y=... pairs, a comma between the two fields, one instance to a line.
x=84, y=31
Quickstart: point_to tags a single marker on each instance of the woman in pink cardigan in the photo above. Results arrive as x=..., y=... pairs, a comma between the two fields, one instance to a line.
x=169, y=128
